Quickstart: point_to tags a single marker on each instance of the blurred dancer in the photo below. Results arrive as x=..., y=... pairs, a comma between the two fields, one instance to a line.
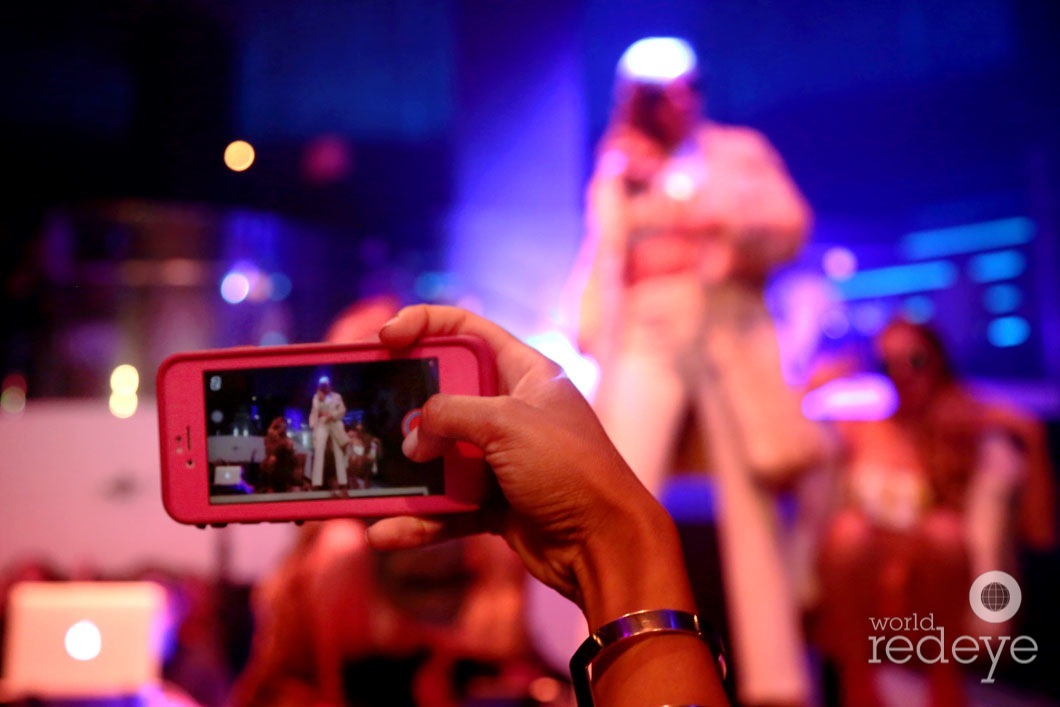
x=364, y=452
x=935, y=495
x=686, y=220
x=277, y=470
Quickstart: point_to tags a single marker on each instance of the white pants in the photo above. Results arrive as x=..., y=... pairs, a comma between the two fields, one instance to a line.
x=677, y=348
x=322, y=433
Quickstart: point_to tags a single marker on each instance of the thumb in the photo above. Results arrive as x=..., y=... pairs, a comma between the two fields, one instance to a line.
x=482, y=421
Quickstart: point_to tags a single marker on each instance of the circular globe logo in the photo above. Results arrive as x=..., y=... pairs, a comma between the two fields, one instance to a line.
x=995, y=596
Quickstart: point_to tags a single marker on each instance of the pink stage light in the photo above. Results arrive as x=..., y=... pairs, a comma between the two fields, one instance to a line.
x=863, y=396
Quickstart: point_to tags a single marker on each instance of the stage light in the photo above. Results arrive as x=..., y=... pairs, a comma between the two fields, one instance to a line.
x=1002, y=265
x=13, y=394
x=899, y=280
x=583, y=372
x=839, y=263
x=918, y=309
x=972, y=238
x=835, y=323
x=863, y=396
x=1003, y=298
x=273, y=338
x=869, y=318
x=433, y=286
x=280, y=286
x=125, y=379
x=235, y=287
x=239, y=155
x=123, y=405
x=657, y=60
x=1007, y=332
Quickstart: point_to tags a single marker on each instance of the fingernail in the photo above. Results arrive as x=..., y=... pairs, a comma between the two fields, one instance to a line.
x=412, y=441
x=394, y=318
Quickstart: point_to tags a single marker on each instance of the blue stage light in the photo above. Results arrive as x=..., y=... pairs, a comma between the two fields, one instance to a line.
x=899, y=280
x=919, y=309
x=1002, y=265
x=972, y=238
x=1002, y=299
x=1006, y=332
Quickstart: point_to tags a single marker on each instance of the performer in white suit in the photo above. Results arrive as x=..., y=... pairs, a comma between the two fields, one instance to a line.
x=325, y=419
x=686, y=219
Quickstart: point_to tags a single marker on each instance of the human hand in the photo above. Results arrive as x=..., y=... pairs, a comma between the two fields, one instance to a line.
x=571, y=508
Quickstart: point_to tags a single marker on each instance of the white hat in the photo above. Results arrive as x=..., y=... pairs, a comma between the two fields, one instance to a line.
x=657, y=60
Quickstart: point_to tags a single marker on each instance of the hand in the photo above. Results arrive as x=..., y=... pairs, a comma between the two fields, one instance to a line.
x=566, y=490
x=635, y=156
x=571, y=509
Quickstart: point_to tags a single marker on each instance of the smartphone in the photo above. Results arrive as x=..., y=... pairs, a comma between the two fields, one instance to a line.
x=304, y=432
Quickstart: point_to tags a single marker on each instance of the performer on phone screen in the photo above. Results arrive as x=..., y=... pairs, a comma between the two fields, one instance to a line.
x=325, y=419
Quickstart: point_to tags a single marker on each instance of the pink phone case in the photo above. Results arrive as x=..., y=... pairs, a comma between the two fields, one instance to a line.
x=219, y=465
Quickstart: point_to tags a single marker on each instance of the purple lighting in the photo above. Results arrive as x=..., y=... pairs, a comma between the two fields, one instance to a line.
x=235, y=287
x=839, y=263
x=865, y=396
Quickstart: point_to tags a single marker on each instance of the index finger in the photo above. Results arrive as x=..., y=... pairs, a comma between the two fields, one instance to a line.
x=514, y=358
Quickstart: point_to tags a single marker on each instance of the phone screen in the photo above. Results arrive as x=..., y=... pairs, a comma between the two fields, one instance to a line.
x=319, y=431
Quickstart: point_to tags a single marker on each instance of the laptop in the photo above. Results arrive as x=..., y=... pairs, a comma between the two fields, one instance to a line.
x=83, y=639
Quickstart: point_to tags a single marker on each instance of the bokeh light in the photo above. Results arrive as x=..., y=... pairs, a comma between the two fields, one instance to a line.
x=13, y=394
x=125, y=379
x=1002, y=298
x=123, y=405
x=327, y=159
x=235, y=287
x=239, y=155
x=582, y=371
x=839, y=263
x=280, y=286
x=835, y=323
x=273, y=338
x=1006, y=332
x=919, y=309
x=862, y=396
x=1002, y=265
x=869, y=318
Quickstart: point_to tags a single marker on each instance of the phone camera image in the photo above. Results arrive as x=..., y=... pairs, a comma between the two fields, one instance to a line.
x=317, y=431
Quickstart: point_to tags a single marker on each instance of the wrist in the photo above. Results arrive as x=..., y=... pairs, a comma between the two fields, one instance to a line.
x=633, y=565
x=622, y=641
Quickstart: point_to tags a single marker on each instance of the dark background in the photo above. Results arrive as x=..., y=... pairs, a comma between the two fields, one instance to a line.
x=412, y=146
